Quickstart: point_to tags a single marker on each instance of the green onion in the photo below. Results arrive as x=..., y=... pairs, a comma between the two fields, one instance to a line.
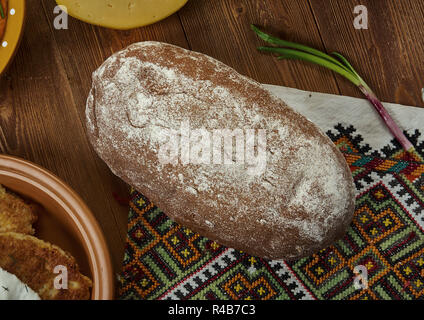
x=293, y=45
x=2, y=11
x=299, y=55
x=339, y=64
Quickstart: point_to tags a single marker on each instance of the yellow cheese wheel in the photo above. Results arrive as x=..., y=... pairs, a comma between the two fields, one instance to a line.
x=121, y=14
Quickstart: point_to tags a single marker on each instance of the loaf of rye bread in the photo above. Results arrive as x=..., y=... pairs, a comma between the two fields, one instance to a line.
x=299, y=202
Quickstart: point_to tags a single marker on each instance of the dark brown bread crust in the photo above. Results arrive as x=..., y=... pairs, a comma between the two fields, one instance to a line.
x=303, y=202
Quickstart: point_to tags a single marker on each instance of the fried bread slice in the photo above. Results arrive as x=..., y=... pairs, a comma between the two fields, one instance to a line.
x=15, y=214
x=34, y=262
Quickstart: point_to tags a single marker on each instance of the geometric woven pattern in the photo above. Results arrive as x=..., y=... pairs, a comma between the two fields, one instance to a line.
x=164, y=260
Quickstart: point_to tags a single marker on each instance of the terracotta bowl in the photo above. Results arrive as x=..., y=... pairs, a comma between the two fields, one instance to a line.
x=64, y=220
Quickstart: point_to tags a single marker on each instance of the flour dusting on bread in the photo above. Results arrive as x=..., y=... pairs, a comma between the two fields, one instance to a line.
x=301, y=202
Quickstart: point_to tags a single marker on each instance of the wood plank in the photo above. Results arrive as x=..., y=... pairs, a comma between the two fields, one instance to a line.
x=39, y=122
x=388, y=54
x=221, y=29
x=83, y=47
x=80, y=50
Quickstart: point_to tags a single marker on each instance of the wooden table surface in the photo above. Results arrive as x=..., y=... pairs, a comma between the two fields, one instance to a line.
x=43, y=94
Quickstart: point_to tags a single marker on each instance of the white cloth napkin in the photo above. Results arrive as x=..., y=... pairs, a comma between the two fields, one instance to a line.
x=327, y=110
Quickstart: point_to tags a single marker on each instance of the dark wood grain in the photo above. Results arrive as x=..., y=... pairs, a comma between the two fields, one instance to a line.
x=42, y=96
x=388, y=54
x=40, y=121
x=222, y=29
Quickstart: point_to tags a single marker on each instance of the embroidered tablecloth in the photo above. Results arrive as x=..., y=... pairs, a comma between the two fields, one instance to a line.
x=164, y=260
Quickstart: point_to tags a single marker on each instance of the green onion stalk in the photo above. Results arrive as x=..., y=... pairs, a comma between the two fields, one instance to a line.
x=339, y=64
x=2, y=14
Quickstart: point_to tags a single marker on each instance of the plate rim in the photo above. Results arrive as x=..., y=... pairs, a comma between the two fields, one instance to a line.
x=95, y=242
x=17, y=39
